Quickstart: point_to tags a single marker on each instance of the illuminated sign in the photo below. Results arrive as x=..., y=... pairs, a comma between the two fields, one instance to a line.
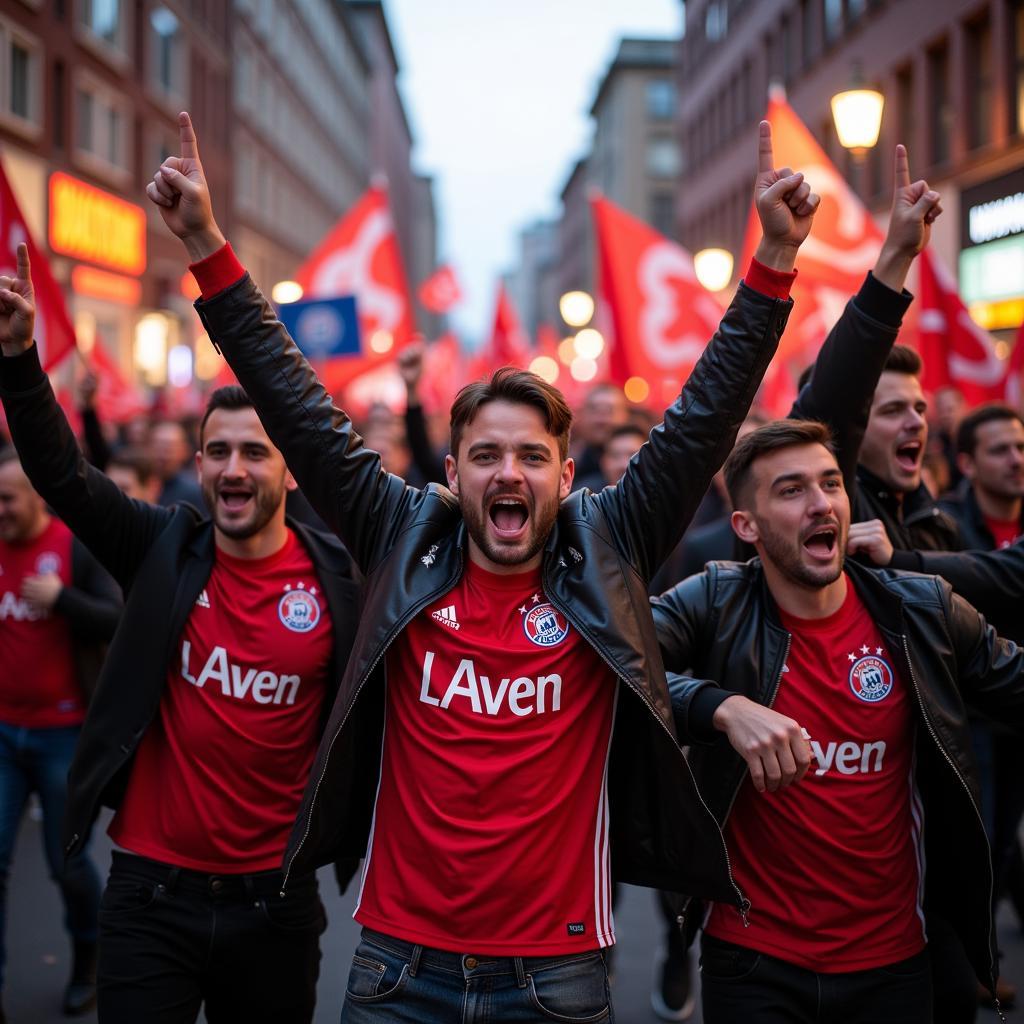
x=90, y=224
x=126, y=291
x=992, y=209
x=993, y=271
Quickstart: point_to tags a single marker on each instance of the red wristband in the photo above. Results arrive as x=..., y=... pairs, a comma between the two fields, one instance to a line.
x=217, y=272
x=773, y=283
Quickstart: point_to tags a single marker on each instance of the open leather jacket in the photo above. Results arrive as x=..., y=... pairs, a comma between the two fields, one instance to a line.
x=723, y=624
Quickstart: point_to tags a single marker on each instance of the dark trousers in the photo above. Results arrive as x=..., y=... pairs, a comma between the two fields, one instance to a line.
x=172, y=940
x=37, y=761
x=740, y=984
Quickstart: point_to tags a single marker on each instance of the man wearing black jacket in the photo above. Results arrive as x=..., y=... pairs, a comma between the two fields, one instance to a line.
x=207, y=711
x=507, y=644
x=864, y=670
x=58, y=609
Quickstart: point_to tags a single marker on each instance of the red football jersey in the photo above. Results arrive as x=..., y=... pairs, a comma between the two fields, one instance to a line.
x=833, y=866
x=39, y=685
x=218, y=777
x=490, y=830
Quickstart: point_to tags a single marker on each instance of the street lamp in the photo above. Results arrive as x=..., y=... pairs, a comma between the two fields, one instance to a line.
x=286, y=291
x=576, y=308
x=713, y=268
x=857, y=114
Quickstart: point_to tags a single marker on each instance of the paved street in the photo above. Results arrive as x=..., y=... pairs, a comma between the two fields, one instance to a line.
x=38, y=953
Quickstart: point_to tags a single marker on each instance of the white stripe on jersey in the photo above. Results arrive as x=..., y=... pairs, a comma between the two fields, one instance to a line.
x=602, y=864
x=917, y=834
x=376, y=800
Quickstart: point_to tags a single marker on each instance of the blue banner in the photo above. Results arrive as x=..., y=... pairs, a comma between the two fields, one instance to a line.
x=323, y=328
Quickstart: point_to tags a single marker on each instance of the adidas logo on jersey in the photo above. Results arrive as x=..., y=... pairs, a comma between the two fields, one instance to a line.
x=203, y=600
x=446, y=616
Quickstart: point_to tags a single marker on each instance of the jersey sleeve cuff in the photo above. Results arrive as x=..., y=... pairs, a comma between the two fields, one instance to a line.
x=776, y=284
x=217, y=272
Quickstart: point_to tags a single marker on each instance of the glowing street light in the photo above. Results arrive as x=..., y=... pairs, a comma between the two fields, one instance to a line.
x=583, y=369
x=567, y=350
x=713, y=268
x=637, y=389
x=546, y=368
x=857, y=114
x=576, y=308
x=589, y=343
x=286, y=291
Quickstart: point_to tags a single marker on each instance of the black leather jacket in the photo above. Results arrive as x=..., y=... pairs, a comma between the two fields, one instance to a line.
x=723, y=624
x=603, y=549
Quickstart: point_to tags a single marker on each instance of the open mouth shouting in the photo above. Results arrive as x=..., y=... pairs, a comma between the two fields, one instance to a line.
x=235, y=499
x=909, y=454
x=509, y=516
x=820, y=542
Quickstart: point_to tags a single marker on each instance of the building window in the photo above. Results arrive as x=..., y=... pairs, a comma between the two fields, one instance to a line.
x=104, y=20
x=979, y=64
x=716, y=21
x=940, y=111
x=1017, y=90
x=661, y=99
x=661, y=207
x=808, y=40
x=833, y=20
x=20, y=79
x=662, y=158
x=905, y=107
x=786, y=47
x=167, y=48
x=102, y=126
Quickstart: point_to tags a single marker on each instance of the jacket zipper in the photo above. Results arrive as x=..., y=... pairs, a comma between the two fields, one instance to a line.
x=743, y=904
x=399, y=626
x=967, y=790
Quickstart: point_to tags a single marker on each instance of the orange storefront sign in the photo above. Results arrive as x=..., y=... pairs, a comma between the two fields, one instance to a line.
x=90, y=224
x=126, y=291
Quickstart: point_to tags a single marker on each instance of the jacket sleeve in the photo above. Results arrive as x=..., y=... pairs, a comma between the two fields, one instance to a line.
x=343, y=480
x=92, y=604
x=682, y=620
x=118, y=530
x=846, y=372
x=653, y=503
x=95, y=443
x=988, y=579
x=990, y=667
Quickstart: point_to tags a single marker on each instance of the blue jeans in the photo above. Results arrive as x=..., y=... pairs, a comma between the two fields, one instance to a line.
x=37, y=760
x=398, y=982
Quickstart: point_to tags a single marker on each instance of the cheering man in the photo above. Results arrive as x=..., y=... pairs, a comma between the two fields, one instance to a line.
x=864, y=670
x=503, y=724
x=206, y=715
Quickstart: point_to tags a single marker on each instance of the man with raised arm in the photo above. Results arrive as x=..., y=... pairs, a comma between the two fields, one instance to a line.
x=207, y=712
x=503, y=730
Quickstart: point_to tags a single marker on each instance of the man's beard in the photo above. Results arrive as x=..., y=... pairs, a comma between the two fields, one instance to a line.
x=265, y=503
x=542, y=520
x=785, y=556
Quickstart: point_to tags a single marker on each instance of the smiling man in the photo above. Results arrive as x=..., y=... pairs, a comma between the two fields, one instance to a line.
x=843, y=690
x=503, y=725
x=207, y=711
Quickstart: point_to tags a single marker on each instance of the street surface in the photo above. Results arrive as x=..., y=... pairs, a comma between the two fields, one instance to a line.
x=38, y=953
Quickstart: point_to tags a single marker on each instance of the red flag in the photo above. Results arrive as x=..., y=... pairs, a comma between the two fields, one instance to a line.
x=117, y=399
x=443, y=373
x=1015, y=372
x=956, y=351
x=842, y=247
x=662, y=317
x=54, y=334
x=440, y=291
x=508, y=345
x=361, y=257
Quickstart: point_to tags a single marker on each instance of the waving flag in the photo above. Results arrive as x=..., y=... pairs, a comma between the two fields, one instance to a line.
x=956, y=351
x=662, y=317
x=508, y=344
x=117, y=399
x=360, y=257
x=54, y=334
x=440, y=291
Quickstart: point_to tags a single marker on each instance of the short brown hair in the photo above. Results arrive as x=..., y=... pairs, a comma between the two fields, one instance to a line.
x=967, y=434
x=230, y=397
x=772, y=437
x=134, y=459
x=902, y=359
x=520, y=387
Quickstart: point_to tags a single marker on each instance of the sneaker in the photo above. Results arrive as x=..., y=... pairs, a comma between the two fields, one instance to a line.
x=80, y=994
x=672, y=996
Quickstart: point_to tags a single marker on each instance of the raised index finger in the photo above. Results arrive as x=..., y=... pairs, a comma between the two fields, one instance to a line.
x=902, y=171
x=189, y=146
x=765, y=156
x=24, y=269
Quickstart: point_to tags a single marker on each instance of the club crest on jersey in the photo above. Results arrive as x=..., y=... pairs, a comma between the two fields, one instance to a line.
x=870, y=679
x=47, y=562
x=545, y=626
x=299, y=609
